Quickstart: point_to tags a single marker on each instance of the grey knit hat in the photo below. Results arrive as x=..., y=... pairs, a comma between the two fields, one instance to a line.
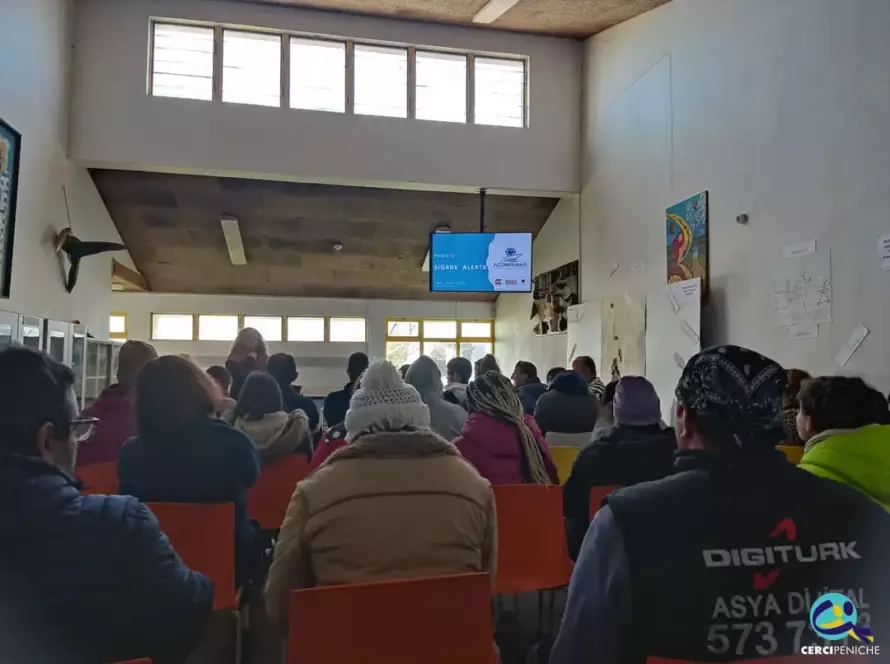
x=384, y=402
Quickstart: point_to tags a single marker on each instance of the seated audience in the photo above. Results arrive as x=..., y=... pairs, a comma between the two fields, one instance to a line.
x=403, y=370
x=184, y=454
x=333, y=440
x=668, y=543
x=85, y=578
x=606, y=417
x=791, y=405
x=259, y=413
x=446, y=419
x=337, y=403
x=397, y=502
x=116, y=408
x=635, y=449
x=485, y=364
x=844, y=423
x=586, y=367
x=222, y=379
x=458, y=373
x=248, y=354
x=499, y=439
x=283, y=368
x=567, y=406
x=553, y=373
x=528, y=385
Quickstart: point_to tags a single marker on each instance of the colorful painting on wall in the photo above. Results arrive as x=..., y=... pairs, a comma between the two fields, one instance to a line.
x=554, y=293
x=687, y=240
x=10, y=150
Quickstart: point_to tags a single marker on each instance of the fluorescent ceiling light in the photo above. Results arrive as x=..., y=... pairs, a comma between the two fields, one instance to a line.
x=493, y=10
x=232, y=234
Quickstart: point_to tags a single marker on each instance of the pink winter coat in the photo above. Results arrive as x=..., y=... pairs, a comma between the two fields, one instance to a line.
x=493, y=448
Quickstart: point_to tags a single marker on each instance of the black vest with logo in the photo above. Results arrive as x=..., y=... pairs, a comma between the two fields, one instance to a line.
x=726, y=559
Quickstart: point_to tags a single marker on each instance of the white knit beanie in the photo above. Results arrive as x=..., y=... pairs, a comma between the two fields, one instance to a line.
x=384, y=402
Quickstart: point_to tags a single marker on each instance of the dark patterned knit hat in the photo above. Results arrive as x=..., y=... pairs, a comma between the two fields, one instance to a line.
x=739, y=387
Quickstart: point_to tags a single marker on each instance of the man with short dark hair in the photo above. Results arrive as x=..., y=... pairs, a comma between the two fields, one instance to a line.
x=528, y=385
x=283, y=368
x=586, y=368
x=738, y=546
x=458, y=373
x=83, y=578
x=337, y=403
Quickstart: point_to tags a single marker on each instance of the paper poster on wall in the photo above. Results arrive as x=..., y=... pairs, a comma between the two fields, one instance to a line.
x=801, y=289
x=623, y=337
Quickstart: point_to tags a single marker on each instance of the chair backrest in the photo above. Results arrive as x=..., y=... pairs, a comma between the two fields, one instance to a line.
x=597, y=494
x=437, y=620
x=563, y=456
x=99, y=478
x=204, y=537
x=794, y=453
x=532, y=551
x=267, y=500
x=576, y=440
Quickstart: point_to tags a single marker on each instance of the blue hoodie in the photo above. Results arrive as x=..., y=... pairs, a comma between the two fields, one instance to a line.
x=568, y=406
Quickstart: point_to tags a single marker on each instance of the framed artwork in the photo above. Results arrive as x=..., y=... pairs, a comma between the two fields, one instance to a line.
x=687, y=240
x=10, y=153
x=553, y=294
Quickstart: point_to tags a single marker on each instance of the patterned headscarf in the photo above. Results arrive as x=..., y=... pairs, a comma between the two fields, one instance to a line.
x=739, y=387
x=494, y=395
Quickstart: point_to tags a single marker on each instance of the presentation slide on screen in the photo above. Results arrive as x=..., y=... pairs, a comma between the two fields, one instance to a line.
x=480, y=262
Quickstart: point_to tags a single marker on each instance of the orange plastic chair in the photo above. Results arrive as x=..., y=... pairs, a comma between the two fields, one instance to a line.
x=204, y=537
x=436, y=620
x=267, y=500
x=532, y=551
x=597, y=494
x=99, y=478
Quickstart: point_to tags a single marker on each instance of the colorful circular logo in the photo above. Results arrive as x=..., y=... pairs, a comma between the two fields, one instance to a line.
x=834, y=616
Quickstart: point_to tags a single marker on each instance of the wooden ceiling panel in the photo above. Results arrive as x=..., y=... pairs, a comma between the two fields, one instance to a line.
x=568, y=18
x=170, y=224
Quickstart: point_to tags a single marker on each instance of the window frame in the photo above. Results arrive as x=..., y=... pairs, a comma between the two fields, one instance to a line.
x=151, y=325
x=216, y=73
x=219, y=46
x=349, y=84
x=324, y=331
x=328, y=329
x=197, y=326
x=421, y=338
x=119, y=335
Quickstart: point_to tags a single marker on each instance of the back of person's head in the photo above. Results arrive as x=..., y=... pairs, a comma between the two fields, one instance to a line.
x=636, y=402
x=355, y=366
x=249, y=340
x=459, y=370
x=384, y=402
x=283, y=368
x=37, y=407
x=585, y=366
x=171, y=393
x=730, y=398
x=839, y=402
x=424, y=375
x=570, y=383
x=492, y=394
x=403, y=370
x=553, y=373
x=609, y=392
x=526, y=372
x=259, y=396
x=221, y=377
x=485, y=364
x=796, y=378
x=132, y=357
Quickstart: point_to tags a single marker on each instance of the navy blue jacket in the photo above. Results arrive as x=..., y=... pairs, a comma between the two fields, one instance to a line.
x=208, y=462
x=529, y=395
x=88, y=579
x=335, y=406
x=293, y=400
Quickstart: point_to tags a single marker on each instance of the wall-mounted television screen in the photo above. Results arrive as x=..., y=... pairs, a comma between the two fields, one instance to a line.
x=480, y=262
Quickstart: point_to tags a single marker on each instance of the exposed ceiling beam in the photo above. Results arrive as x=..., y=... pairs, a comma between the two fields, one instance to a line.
x=124, y=278
x=232, y=233
x=493, y=10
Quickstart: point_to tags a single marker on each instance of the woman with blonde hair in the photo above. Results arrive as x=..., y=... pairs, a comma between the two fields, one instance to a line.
x=248, y=354
x=499, y=439
x=485, y=364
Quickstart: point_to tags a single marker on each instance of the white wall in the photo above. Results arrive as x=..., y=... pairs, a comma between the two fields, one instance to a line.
x=780, y=110
x=323, y=365
x=35, y=51
x=116, y=124
x=555, y=245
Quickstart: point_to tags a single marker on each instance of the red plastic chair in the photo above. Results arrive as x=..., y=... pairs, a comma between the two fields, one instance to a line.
x=99, y=478
x=267, y=500
x=204, y=537
x=437, y=620
x=597, y=494
x=532, y=551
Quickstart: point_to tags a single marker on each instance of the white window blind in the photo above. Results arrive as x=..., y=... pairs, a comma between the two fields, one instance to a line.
x=381, y=81
x=500, y=92
x=182, y=62
x=251, y=68
x=441, y=86
x=318, y=75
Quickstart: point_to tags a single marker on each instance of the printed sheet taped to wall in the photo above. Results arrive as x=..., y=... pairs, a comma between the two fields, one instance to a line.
x=623, y=337
x=801, y=289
